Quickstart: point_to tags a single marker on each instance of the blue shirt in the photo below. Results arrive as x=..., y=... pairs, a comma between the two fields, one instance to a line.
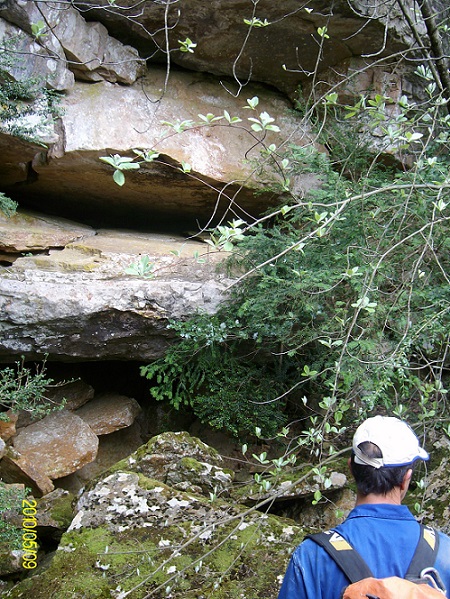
x=385, y=535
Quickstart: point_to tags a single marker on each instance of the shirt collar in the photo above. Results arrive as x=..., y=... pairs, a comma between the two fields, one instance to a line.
x=381, y=510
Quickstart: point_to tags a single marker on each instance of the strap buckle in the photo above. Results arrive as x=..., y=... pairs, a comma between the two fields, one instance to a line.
x=432, y=576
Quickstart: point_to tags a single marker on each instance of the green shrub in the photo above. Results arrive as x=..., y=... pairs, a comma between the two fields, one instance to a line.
x=22, y=389
x=7, y=206
x=11, y=498
x=352, y=319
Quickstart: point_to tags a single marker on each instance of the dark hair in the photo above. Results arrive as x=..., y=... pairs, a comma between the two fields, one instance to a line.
x=376, y=480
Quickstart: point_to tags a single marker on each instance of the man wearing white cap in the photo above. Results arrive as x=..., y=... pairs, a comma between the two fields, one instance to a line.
x=379, y=528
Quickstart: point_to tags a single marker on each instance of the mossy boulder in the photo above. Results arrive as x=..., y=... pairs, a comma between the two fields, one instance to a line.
x=136, y=537
x=55, y=512
x=181, y=461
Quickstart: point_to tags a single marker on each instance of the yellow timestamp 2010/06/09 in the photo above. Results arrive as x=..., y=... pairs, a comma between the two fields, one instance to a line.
x=29, y=535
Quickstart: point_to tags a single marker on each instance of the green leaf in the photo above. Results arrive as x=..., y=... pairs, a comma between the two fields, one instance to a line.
x=108, y=159
x=255, y=22
x=322, y=31
x=119, y=177
x=331, y=98
x=285, y=209
x=210, y=118
x=129, y=166
x=187, y=45
x=38, y=29
x=252, y=102
x=147, y=155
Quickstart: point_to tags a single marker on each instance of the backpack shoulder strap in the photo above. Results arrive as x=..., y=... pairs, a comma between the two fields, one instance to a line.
x=426, y=552
x=354, y=566
x=347, y=558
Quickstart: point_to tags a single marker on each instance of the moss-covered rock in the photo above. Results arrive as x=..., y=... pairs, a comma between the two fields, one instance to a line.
x=55, y=510
x=136, y=537
x=293, y=484
x=182, y=461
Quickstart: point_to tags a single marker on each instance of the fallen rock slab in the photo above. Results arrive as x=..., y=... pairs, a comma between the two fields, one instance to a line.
x=59, y=444
x=183, y=462
x=112, y=448
x=109, y=412
x=158, y=537
x=15, y=468
x=74, y=393
x=8, y=427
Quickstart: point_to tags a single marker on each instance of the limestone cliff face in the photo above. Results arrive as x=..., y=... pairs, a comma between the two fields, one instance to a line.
x=129, y=90
x=71, y=298
x=281, y=48
x=103, y=119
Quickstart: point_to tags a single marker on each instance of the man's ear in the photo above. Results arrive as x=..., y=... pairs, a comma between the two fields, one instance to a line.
x=406, y=480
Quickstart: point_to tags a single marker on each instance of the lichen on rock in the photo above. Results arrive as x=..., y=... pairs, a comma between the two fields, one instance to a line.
x=132, y=532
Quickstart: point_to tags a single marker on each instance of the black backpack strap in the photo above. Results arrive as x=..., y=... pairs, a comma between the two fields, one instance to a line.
x=426, y=552
x=355, y=568
x=347, y=558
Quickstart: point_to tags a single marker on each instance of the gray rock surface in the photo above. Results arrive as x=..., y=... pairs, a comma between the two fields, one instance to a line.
x=74, y=393
x=67, y=43
x=70, y=179
x=226, y=46
x=183, y=462
x=26, y=232
x=79, y=303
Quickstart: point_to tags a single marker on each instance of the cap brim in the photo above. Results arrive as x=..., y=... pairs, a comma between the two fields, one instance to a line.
x=423, y=455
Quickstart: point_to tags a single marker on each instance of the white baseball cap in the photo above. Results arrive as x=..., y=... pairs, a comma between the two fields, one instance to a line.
x=396, y=440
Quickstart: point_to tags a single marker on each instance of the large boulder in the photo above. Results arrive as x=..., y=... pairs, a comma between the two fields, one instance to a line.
x=15, y=468
x=112, y=448
x=59, y=444
x=183, y=462
x=133, y=535
x=109, y=412
x=73, y=394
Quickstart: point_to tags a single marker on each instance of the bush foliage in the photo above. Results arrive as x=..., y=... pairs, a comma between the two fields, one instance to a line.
x=354, y=317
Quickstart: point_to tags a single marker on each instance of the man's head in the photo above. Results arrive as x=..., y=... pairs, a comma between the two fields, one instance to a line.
x=384, y=450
